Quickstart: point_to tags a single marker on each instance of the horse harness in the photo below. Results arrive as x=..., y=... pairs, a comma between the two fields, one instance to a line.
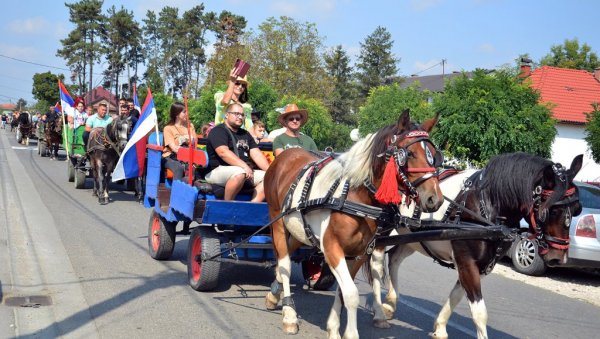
x=387, y=217
x=104, y=141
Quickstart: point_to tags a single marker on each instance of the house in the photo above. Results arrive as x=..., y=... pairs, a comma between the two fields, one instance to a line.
x=7, y=109
x=433, y=83
x=571, y=93
x=101, y=95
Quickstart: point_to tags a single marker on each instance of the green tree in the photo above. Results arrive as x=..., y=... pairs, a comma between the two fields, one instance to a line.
x=385, y=104
x=592, y=131
x=492, y=114
x=81, y=46
x=571, y=55
x=288, y=54
x=21, y=104
x=121, y=37
x=263, y=96
x=341, y=101
x=45, y=88
x=376, y=61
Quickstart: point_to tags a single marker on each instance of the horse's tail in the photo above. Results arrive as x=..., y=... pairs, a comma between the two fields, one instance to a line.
x=367, y=269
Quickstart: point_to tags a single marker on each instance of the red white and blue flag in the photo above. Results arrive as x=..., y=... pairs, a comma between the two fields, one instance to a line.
x=66, y=101
x=132, y=161
x=136, y=101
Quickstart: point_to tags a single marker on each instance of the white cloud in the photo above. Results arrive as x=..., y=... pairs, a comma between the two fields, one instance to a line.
x=423, y=5
x=487, y=48
x=28, y=26
x=26, y=53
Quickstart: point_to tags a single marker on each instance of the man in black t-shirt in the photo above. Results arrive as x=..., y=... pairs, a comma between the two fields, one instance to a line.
x=232, y=151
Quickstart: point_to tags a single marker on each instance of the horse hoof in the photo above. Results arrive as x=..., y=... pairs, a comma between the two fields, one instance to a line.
x=436, y=336
x=388, y=311
x=290, y=328
x=381, y=323
x=271, y=302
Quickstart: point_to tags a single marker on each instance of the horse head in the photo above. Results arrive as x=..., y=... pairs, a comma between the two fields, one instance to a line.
x=122, y=126
x=558, y=203
x=404, y=153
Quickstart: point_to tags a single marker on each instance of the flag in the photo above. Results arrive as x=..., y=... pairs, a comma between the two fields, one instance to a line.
x=66, y=102
x=136, y=101
x=133, y=158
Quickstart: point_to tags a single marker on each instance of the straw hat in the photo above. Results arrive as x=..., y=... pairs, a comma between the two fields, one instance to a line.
x=289, y=110
x=243, y=80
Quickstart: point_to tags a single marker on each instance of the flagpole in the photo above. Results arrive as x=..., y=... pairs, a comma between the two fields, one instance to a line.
x=191, y=144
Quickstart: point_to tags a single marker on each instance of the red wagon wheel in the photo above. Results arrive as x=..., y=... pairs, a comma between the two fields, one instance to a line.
x=161, y=237
x=203, y=276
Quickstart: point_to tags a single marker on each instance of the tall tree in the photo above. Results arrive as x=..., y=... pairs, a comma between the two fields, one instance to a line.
x=492, y=114
x=21, y=104
x=571, y=55
x=121, y=37
x=592, y=131
x=45, y=88
x=376, y=61
x=169, y=28
x=81, y=47
x=288, y=54
x=341, y=101
x=195, y=24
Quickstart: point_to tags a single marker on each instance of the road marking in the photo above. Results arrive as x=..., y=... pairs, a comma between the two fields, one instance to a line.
x=24, y=147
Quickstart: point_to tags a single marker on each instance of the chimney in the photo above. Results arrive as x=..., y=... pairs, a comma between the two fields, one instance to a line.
x=525, y=68
x=597, y=73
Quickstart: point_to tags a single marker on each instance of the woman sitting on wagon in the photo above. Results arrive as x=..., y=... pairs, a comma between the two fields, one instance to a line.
x=176, y=135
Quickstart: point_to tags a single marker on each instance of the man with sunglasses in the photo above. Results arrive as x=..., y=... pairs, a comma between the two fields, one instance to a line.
x=292, y=119
x=232, y=153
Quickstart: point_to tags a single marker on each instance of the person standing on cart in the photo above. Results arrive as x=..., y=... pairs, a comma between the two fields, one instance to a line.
x=232, y=154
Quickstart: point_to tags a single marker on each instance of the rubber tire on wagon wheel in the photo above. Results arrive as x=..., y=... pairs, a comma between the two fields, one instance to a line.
x=70, y=170
x=525, y=257
x=80, y=179
x=19, y=136
x=42, y=148
x=326, y=279
x=161, y=237
x=203, y=276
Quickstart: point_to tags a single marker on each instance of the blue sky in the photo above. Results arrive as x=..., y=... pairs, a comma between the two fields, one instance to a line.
x=467, y=33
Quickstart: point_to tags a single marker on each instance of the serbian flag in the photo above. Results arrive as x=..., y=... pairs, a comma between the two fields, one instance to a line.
x=136, y=101
x=132, y=160
x=57, y=107
x=66, y=102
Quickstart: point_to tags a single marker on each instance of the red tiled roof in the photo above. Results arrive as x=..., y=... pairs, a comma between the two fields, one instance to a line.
x=8, y=107
x=571, y=91
x=99, y=93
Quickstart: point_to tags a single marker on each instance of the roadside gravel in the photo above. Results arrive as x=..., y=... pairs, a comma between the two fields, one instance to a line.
x=573, y=283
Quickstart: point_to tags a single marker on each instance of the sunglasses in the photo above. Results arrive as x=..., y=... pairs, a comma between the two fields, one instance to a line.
x=237, y=83
x=294, y=119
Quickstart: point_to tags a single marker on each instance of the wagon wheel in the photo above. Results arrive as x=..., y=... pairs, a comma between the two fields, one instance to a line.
x=80, y=179
x=70, y=170
x=161, y=237
x=19, y=136
x=317, y=267
x=203, y=276
x=43, y=150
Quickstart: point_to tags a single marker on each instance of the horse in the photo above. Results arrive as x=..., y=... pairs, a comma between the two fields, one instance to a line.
x=104, y=148
x=350, y=195
x=53, y=135
x=25, y=126
x=511, y=187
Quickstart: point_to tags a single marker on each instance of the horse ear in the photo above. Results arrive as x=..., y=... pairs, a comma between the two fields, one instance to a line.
x=404, y=120
x=428, y=124
x=575, y=166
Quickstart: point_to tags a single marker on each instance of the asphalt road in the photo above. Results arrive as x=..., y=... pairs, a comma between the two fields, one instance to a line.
x=92, y=263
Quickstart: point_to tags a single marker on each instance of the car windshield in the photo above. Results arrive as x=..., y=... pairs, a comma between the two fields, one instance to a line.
x=589, y=197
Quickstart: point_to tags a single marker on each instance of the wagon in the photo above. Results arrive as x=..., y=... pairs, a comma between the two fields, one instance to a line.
x=77, y=168
x=225, y=230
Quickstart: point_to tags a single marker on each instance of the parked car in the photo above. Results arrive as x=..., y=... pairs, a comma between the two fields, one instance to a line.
x=584, y=234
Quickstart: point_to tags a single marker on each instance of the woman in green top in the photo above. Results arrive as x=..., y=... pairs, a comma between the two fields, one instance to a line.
x=237, y=92
x=293, y=119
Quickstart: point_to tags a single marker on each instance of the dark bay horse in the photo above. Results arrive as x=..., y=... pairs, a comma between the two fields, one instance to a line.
x=511, y=187
x=104, y=148
x=53, y=135
x=399, y=156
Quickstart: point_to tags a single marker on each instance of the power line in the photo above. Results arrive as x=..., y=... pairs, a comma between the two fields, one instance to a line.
x=34, y=63
x=426, y=69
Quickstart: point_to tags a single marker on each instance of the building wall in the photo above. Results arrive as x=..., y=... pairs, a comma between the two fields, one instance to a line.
x=570, y=142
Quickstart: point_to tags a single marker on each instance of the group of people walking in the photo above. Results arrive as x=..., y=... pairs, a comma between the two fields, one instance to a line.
x=235, y=161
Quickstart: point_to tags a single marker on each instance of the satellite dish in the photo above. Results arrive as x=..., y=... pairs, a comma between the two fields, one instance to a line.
x=354, y=135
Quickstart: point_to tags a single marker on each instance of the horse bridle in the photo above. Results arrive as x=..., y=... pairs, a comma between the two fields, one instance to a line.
x=540, y=215
x=401, y=154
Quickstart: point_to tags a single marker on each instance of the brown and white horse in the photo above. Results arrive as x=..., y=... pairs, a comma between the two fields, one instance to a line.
x=512, y=187
x=53, y=136
x=339, y=234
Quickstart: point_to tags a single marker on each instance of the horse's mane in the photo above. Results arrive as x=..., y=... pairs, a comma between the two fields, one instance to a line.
x=509, y=179
x=363, y=160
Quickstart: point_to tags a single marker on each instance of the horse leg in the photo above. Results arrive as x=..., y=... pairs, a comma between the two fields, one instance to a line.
x=439, y=326
x=283, y=272
x=470, y=280
x=101, y=182
x=377, y=259
x=396, y=257
x=349, y=292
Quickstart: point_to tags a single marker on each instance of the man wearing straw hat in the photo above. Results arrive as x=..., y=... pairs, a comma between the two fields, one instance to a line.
x=292, y=119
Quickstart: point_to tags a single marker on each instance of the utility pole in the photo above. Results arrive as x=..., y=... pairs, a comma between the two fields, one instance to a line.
x=443, y=68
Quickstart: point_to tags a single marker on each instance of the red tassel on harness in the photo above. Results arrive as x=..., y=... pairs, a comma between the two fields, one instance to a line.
x=388, y=190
